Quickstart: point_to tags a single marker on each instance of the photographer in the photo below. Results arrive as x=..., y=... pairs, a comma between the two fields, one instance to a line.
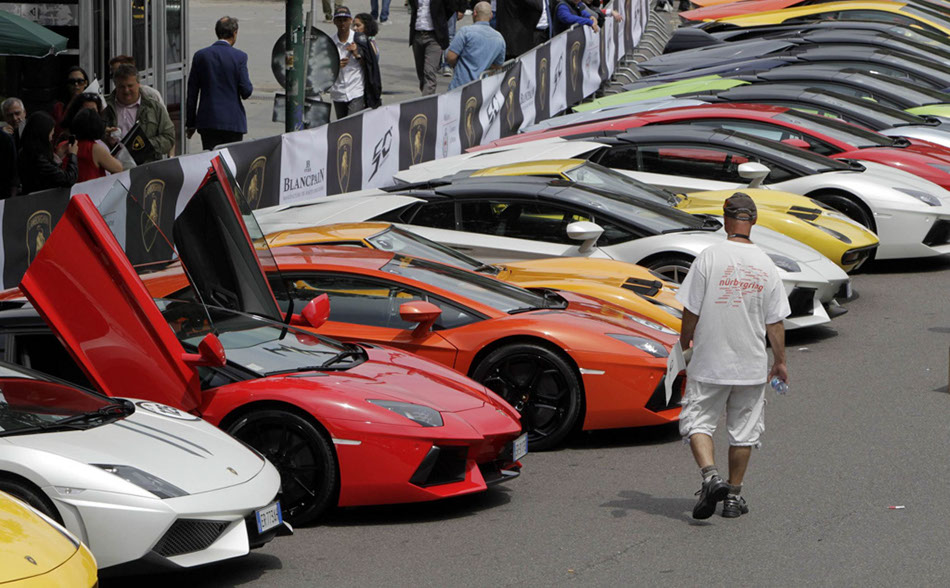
x=39, y=168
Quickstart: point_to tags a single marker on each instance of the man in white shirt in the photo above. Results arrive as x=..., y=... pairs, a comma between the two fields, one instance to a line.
x=733, y=298
x=347, y=91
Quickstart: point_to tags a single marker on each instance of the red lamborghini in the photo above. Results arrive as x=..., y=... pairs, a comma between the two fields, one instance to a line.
x=344, y=424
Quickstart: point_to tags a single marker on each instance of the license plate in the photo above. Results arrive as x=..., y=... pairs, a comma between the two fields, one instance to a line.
x=519, y=447
x=268, y=517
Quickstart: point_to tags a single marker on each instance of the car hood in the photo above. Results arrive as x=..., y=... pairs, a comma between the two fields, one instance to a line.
x=28, y=535
x=605, y=271
x=883, y=175
x=586, y=312
x=176, y=446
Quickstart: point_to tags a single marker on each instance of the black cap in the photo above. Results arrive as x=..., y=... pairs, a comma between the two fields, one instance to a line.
x=739, y=206
x=342, y=12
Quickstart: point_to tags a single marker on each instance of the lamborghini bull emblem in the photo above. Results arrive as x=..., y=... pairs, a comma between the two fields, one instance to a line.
x=152, y=213
x=38, y=228
x=254, y=181
x=510, y=97
x=575, y=64
x=471, y=111
x=417, y=137
x=138, y=143
x=543, y=82
x=344, y=160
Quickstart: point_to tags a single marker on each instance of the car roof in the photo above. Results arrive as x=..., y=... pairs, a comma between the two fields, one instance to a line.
x=540, y=167
x=291, y=257
x=332, y=232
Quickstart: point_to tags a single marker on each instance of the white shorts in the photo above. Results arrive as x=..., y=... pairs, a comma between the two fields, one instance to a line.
x=745, y=411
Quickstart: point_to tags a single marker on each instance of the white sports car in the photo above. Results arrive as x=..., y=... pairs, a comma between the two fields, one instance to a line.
x=144, y=485
x=910, y=215
x=524, y=217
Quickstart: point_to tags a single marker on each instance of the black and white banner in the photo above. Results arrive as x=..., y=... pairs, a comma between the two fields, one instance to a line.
x=358, y=152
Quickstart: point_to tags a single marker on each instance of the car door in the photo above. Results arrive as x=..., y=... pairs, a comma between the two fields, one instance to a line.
x=497, y=230
x=364, y=308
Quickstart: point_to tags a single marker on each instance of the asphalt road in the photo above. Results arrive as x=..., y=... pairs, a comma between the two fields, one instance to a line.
x=864, y=427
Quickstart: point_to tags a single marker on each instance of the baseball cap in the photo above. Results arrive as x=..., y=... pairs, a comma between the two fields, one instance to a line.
x=342, y=12
x=739, y=206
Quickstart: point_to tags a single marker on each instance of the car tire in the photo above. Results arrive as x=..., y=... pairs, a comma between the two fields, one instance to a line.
x=848, y=206
x=301, y=453
x=30, y=495
x=540, y=384
x=671, y=266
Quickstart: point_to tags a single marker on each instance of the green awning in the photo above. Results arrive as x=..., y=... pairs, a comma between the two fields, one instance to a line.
x=19, y=36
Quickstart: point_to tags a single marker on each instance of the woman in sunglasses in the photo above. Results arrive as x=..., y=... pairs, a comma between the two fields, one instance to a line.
x=76, y=83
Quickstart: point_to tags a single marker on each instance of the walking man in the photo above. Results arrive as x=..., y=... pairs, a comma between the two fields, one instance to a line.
x=348, y=91
x=476, y=48
x=733, y=298
x=216, y=87
x=429, y=36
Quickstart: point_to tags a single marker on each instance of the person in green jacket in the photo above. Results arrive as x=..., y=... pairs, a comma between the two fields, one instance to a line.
x=126, y=105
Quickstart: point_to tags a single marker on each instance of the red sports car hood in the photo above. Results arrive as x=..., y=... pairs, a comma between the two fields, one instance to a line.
x=915, y=158
x=613, y=316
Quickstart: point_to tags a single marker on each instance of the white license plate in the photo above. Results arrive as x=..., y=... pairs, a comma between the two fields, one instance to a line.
x=519, y=447
x=268, y=517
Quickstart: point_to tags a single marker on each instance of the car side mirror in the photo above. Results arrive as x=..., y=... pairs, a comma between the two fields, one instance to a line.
x=210, y=353
x=421, y=312
x=753, y=171
x=585, y=231
x=800, y=143
x=314, y=314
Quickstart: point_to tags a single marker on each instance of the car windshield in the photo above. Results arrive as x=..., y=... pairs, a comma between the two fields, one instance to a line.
x=836, y=129
x=482, y=289
x=30, y=404
x=930, y=15
x=851, y=107
x=598, y=176
x=780, y=153
x=918, y=94
x=409, y=244
x=257, y=344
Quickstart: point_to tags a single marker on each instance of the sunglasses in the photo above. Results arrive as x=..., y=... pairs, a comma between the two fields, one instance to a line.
x=76, y=81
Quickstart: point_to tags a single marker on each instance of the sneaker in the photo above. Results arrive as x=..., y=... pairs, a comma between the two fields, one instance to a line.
x=714, y=490
x=734, y=506
x=446, y=71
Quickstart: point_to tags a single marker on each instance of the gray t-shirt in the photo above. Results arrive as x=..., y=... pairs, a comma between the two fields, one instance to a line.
x=736, y=291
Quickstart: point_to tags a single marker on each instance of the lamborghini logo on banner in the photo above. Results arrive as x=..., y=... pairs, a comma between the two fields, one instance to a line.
x=138, y=143
x=471, y=111
x=417, y=136
x=543, y=81
x=152, y=213
x=510, y=97
x=575, y=64
x=254, y=181
x=344, y=160
x=38, y=228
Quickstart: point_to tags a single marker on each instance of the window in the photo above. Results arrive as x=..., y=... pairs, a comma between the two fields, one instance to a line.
x=44, y=353
x=767, y=131
x=439, y=215
x=375, y=303
x=519, y=220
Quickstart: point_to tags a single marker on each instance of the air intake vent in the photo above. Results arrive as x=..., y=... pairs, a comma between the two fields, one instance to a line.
x=643, y=287
x=188, y=536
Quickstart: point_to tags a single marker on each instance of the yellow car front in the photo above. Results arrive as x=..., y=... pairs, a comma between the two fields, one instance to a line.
x=835, y=236
x=630, y=286
x=900, y=13
x=35, y=552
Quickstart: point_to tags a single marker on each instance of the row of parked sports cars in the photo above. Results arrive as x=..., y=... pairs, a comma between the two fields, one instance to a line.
x=412, y=343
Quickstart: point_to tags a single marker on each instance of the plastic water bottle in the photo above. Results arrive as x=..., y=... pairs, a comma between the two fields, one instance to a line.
x=779, y=385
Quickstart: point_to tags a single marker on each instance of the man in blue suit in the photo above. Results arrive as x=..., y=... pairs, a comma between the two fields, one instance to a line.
x=219, y=78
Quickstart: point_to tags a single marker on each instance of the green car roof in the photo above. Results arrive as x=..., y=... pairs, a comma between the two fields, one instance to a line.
x=677, y=88
x=931, y=110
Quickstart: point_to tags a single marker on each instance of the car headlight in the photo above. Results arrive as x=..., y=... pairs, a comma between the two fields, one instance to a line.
x=651, y=324
x=143, y=480
x=423, y=415
x=924, y=197
x=832, y=232
x=646, y=345
x=785, y=263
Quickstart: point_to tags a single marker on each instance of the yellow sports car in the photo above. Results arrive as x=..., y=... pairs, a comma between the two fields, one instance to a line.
x=879, y=10
x=803, y=219
x=631, y=287
x=35, y=552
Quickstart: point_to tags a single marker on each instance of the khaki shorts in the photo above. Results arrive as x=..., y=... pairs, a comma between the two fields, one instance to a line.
x=745, y=411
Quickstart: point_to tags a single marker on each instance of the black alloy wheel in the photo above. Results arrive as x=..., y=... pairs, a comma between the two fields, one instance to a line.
x=30, y=495
x=849, y=207
x=672, y=267
x=303, y=456
x=540, y=384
